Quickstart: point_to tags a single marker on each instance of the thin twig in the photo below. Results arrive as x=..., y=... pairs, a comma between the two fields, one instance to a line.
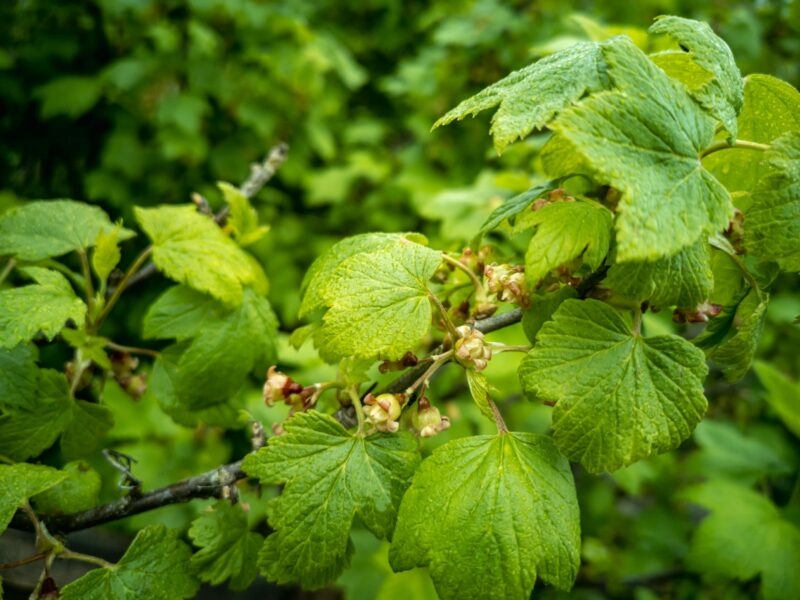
x=7, y=268
x=132, y=349
x=87, y=281
x=23, y=561
x=123, y=285
x=480, y=292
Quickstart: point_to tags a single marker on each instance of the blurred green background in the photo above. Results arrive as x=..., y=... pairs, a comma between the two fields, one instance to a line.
x=142, y=102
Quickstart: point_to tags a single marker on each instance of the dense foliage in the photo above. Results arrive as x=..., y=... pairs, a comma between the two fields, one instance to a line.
x=572, y=374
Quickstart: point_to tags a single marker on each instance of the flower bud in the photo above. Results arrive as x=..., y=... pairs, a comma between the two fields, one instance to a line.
x=507, y=282
x=382, y=411
x=279, y=387
x=471, y=350
x=427, y=421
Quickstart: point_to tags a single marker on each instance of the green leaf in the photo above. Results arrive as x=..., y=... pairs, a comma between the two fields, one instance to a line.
x=479, y=389
x=243, y=218
x=223, y=344
x=228, y=549
x=330, y=477
x=71, y=95
x=84, y=431
x=683, y=280
x=323, y=268
x=620, y=397
x=44, y=306
x=515, y=205
x=725, y=451
x=45, y=228
x=489, y=515
x=155, y=566
x=106, y=254
x=79, y=491
x=191, y=249
x=756, y=539
x=384, y=293
x=541, y=309
x=723, y=94
x=565, y=231
x=783, y=395
x=20, y=482
x=681, y=66
x=18, y=376
x=644, y=138
x=25, y=433
x=735, y=354
x=528, y=99
x=771, y=108
x=772, y=228
x=90, y=348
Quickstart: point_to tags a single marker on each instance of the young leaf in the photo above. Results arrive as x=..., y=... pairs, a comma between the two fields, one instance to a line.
x=330, y=477
x=644, y=138
x=385, y=293
x=723, y=94
x=772, y=229
x=771, y=108
x=683, y=280
x=783, y=395
x=228, y=549
x=106, y=254
x=79, y=491
x=529, y=98
x=155, y=566
x=515, y=205
x=734, y=354
x=224, y=344
x=323, y=268
x=565, y=231
x=757, y=540
x=44, y=306
x=489, y=515
x=20, y=482
x=18, y=376
x=620, y=397
x=45, y=228
x=191, y=249
x=479, y=389
x=243, y=219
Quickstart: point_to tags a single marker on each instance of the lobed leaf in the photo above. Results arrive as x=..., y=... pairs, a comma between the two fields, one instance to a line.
x=489, y=515
x=330, y=477
x=20, y=482
x=644, y=138
x=721, y=95
x=44, y=306
x=528, y=99
x=564, y=232
x=45, y=228
x=783, y=395
x=385, y=292
x=219, y=345
x=190, y=248
x=772, y=229
x=155, y=566
x=228, y=549
x=18, y=376
x=620, y=397
x=757, y=539
x=323, y=267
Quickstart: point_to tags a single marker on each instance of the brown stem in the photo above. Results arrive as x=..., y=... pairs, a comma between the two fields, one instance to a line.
x=23, y=561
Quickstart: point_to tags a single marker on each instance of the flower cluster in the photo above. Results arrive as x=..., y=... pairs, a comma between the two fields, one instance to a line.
x=427, y=420
x=383, y=410
x=471, y=350
x=279, y=387
x=507, y=282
